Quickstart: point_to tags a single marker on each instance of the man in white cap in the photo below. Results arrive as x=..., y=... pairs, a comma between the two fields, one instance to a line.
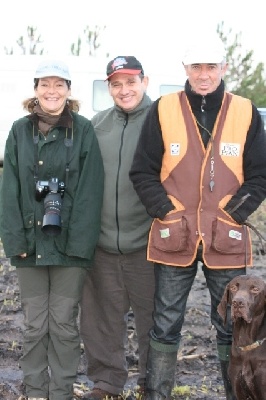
x=200, y=171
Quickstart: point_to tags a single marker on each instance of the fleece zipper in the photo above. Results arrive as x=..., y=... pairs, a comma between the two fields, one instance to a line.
x=117, y=181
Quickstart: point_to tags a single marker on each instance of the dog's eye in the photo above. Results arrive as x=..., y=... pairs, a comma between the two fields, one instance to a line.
x=254, y=289
x=233, y=288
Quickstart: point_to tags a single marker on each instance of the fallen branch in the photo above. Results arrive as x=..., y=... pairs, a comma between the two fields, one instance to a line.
x=191, y=357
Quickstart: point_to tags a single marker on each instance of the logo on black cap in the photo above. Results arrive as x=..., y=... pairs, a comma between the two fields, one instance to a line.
x=124, y=64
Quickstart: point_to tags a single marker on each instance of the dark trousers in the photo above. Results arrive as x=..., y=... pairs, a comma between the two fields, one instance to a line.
x=173, y=285
x=116, y=283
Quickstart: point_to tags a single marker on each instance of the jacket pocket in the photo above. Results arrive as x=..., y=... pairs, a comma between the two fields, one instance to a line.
x=171, y=234
x=229, y=238
x=28, y=221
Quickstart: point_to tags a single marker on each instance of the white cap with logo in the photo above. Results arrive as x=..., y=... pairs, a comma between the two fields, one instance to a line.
x=205, y=52
x=52, y=68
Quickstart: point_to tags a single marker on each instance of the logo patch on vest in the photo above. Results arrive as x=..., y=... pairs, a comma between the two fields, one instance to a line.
x=230, y=149
x=165, y=233
x=175, y=149
x=235, y=235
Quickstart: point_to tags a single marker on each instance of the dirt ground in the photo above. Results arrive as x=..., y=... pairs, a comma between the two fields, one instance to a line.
x=197, y=372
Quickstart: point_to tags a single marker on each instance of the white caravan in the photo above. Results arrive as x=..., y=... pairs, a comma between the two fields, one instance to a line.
x=88, y=86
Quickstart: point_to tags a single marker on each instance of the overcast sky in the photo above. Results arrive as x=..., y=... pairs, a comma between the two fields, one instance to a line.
x=138, y=27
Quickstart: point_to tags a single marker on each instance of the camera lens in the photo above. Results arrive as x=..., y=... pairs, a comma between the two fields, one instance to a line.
x=52, y=214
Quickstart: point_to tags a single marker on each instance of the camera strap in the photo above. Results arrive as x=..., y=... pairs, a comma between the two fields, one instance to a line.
x=68, y=142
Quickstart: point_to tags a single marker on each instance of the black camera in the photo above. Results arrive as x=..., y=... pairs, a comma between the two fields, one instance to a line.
x=52, y=191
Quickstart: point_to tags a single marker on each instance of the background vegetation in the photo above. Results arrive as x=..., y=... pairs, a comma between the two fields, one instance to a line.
x=244, y=77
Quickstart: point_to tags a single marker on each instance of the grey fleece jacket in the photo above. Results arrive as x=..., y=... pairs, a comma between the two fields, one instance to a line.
x=125, y=223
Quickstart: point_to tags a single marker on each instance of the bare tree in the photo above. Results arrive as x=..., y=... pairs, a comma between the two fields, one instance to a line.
x=76, y=48
x=92, y=41
x=30, y=45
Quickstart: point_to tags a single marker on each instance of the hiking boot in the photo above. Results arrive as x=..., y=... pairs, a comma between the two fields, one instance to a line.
x=100, y=394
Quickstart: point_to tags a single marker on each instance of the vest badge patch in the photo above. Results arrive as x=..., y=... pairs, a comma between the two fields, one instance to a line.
x=175, y=149
x=229, y=149
x=235, y=235
x=165, y=233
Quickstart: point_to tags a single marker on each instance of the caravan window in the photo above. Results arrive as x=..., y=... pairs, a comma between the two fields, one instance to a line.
x=165, y=89
x=101, y=97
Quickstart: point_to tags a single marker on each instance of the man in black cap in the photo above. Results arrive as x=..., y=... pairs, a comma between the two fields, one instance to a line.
x=122, y=277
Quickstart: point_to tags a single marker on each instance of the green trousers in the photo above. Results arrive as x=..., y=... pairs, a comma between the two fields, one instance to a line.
x=51, y=350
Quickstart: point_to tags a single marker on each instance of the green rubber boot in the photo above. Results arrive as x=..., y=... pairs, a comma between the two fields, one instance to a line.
x=161, y=367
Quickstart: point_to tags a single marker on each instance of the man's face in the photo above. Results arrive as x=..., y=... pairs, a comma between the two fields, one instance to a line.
x=127, y=90
x=205, y=78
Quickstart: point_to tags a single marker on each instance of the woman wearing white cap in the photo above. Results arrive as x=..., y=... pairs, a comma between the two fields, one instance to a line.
x=50, y=208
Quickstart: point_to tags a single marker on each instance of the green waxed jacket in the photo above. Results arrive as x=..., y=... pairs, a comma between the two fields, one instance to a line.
x=21, y=215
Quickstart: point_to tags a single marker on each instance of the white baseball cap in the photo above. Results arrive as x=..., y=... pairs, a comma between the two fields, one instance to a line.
x=52, y=68
x=205, y=52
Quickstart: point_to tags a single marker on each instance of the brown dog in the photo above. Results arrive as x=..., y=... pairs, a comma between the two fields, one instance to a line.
x=246, y=294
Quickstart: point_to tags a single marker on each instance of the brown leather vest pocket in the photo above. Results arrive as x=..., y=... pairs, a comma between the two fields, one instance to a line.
x=170, y=235
x=229, y=238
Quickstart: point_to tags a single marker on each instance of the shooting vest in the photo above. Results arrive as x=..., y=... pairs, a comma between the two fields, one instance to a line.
x=200, y=182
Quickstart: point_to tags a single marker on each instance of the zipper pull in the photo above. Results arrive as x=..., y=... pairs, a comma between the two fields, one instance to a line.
x=203, y=103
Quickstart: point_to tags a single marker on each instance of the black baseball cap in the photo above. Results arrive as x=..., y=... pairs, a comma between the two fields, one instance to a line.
x=124, y=65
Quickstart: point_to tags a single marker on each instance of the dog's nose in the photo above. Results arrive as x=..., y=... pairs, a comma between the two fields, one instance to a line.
x=240, y=309
x=239, y=302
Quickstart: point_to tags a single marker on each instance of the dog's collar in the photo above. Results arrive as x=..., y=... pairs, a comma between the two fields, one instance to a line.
x=252, y=346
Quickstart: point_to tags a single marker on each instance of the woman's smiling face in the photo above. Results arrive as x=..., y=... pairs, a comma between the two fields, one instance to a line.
x=52, y=93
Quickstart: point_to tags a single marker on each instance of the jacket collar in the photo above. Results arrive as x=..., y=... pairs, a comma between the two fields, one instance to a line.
x=65, y=119
x=145, y=102
x=212, y=100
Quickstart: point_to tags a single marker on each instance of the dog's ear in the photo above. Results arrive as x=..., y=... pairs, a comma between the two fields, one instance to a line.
x=222, y=307
x=262, y=301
